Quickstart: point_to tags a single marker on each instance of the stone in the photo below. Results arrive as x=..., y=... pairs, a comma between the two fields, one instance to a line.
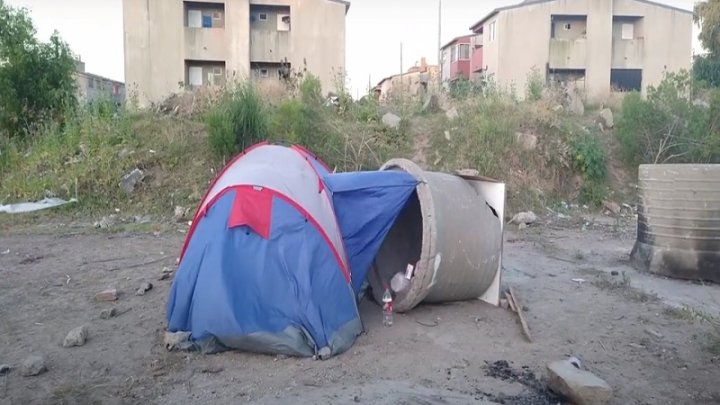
x=179, y=213
x=575, y=103
x=125, y=152
x=654, y=333
x=526, y=218
x=614, y=273
x=391, y=120
x=130, y=180
x=580, y=387
x=324, y=353
x=432, y=104
x=145, y=287
x=452, y=113
x=527, y=142
x=76, y=337
x=106, y=222
x=612, y=206
x=606, y=118
x=32, y=366
x=108, y=313
x=107, y=295
x=164, y=276
x=175, y=340
x=4, y=369
x=142, y=219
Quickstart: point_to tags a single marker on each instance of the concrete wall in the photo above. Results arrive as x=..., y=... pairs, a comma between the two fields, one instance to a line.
x=663, y=42
x=157, y=42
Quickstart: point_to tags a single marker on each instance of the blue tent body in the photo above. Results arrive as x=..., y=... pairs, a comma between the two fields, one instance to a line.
x=277, y=252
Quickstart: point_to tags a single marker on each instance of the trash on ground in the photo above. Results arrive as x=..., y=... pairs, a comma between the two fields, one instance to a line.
x=43, y=204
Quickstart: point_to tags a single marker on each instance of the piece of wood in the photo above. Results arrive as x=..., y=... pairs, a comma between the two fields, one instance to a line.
x=518, y=305
x=510, y=301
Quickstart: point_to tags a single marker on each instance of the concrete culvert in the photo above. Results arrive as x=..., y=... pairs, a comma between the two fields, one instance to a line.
x=448, y=232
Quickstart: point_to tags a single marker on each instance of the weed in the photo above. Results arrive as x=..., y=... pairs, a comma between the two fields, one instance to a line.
x=589, y=159
x=535, y=85
x=239, y=120
x=623, y=287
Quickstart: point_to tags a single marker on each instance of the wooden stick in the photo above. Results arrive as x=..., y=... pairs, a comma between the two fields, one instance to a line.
x=510, y=301
x=518, y=305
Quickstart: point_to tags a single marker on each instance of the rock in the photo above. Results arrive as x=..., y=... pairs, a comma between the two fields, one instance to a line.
x=179, y=213
x=526, y=218
x=447, y=135
x=504, y=303
x=76, y=337
x=108, y=295
x=606, y=118
x=4, y=369
x=612, y=206
x=195, y=196
x=654, y=333
x=145, y=287
x=324, y=353
x=391, y=120
x=522, y=226
x=432, y=104
x=125, y=152
x=130, y=180
x=33, y=365
x=106, y=222
x=527, y=141
x=142, y=219
x=164, y=276
x=580, y=387
x=108, y=313
x=614, y=273
x=452, y=113
x=176, y=340
x=467, y=172
x=575, y=104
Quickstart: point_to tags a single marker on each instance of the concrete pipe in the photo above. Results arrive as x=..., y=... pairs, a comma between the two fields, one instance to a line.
x=448, y=232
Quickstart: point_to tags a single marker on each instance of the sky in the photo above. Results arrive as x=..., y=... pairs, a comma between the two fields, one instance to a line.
x=374, y=30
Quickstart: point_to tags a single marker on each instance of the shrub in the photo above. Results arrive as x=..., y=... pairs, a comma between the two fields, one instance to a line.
x=589, y=159
x=237, y=121
x=669, y=126
x=535, y=85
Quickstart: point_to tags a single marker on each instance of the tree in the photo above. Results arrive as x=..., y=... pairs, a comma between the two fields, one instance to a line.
x=36, y=78
x=707, y=14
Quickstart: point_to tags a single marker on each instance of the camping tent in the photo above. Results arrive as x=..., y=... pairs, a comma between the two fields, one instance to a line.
x=265, y=267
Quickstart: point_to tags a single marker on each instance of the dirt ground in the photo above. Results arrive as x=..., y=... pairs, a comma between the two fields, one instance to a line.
x=648, y=337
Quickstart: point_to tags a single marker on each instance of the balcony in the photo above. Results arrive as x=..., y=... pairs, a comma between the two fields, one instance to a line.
x=628, y=53
x=269, y=46
x=568, y=53
x=205, y=43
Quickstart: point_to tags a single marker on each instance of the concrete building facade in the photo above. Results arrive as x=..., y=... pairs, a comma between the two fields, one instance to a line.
x=455, y=59
x=418, y=80
x=172, y=45
x=92, y=87
x=602, y=46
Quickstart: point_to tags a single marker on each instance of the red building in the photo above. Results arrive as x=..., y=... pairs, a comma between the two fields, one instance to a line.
x=456, y=59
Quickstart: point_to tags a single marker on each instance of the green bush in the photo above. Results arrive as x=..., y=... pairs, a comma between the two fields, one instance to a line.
x=535, y=85
x=237, y=121
x=670, y=126
x=589, y=159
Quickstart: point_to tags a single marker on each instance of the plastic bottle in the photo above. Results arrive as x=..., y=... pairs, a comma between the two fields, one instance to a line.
x=387, y=308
